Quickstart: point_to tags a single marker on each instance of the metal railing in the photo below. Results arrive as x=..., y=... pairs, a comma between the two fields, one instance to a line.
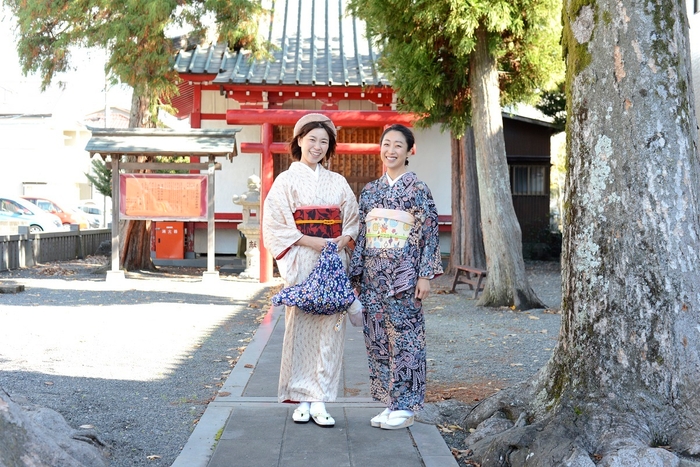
x=24, y=249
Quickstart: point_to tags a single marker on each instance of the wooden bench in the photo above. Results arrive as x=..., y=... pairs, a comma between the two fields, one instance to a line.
x=474, y=277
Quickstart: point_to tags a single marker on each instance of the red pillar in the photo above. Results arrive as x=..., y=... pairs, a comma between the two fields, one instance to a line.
x=266, y=179
x=196, y=115
x=195, y=122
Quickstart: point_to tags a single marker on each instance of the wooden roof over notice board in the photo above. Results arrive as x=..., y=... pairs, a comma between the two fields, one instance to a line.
x=162, y=142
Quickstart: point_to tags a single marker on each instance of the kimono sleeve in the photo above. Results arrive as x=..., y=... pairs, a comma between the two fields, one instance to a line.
x=350, y=213
x=430, y=263
x=278, y=227
x=357, y=262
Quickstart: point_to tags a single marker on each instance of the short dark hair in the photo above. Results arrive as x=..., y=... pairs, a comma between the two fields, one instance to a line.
x=295, y=149
x=408, y=134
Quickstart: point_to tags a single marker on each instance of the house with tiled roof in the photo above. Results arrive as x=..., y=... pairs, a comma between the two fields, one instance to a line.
x=323, y=61
x=109, y=117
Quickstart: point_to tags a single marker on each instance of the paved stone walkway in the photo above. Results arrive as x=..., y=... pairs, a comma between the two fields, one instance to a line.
x=254, y=430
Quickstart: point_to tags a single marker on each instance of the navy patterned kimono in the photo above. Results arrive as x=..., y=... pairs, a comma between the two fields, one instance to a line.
x=394, y=326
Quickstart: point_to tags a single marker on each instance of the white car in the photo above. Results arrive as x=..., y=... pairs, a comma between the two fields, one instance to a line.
x=38, y=219
x=95, y=214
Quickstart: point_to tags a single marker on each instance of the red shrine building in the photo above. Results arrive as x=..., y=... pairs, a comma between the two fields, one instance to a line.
x=323, y=62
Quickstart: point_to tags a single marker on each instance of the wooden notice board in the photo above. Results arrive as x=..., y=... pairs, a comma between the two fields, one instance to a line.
x=163, y=197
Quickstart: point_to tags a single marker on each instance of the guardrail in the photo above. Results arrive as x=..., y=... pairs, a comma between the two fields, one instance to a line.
x=24, y=249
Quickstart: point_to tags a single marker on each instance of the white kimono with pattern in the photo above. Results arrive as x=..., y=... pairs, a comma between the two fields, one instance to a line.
x=312, y=351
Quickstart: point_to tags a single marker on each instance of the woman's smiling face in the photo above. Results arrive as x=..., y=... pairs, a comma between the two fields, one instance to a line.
x=314, y=146
x=394, y=152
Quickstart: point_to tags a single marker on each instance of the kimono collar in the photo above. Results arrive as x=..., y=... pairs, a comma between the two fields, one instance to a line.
x=314, y=172
x=390, y=181
x=406, y=177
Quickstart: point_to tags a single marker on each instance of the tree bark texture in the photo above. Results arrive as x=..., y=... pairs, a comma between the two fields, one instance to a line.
x=140, y=116
x=467, y=243
x=136, y=246
x=621, y=387
x=135, y=236
x=507, y=283
x=631, y=282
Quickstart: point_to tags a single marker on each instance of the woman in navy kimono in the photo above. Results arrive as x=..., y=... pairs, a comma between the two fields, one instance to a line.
x=396, y=255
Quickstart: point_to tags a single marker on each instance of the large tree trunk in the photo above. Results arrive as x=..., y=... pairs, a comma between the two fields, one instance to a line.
x=135, y=252
x=467, y=243
x=621, y=387
x=507, y=283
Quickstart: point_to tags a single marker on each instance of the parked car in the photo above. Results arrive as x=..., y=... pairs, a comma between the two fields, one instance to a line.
x=68, y=215
x=38, y=219
x=9, y=224
x=94, y=214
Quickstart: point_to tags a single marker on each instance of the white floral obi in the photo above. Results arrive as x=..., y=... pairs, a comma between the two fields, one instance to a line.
x=388, y=228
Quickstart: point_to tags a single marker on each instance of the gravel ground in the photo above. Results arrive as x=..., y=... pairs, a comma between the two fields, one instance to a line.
x=135, y=366
x=139, y=365
x=474, y=352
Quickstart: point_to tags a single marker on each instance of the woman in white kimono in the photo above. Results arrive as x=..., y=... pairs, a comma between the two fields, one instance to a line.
x=313, y=344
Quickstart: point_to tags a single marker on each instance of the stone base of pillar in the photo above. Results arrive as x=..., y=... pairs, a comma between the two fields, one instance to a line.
x=210, y=276
x=115, y=276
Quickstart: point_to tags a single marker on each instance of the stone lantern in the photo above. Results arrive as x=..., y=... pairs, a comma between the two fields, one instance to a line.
x=250, y=227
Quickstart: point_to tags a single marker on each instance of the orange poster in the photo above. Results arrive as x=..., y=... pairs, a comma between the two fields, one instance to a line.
x=162, y=196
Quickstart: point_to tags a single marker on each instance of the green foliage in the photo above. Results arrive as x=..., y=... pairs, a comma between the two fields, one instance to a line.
x=427, y=47
x=132, y=31
x=553, y=104
x=101, y=177
x=172, y=159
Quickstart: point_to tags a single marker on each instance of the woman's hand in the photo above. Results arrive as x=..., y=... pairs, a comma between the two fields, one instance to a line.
x=342, y=241
x=422, y=288
x=317, y=243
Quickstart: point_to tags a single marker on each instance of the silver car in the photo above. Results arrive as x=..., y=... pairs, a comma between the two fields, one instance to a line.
x=94, y=215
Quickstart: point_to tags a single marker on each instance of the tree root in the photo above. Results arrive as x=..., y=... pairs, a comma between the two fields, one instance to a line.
x=505, y=432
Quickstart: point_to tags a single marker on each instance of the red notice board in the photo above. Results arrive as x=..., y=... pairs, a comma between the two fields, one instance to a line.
x=163, y=197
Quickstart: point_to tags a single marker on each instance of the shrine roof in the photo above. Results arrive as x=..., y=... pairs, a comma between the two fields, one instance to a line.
x=315, y=42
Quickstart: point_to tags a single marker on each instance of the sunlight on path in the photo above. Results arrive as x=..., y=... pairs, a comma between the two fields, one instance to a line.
x=144, y=340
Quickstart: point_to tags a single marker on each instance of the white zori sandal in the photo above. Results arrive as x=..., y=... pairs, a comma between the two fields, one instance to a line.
x=323, y=419
x=320, y=415
x=302, y=413
x=397, y=419
x=382, y=417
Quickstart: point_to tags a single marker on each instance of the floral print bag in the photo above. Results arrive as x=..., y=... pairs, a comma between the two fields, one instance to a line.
x=326, y=291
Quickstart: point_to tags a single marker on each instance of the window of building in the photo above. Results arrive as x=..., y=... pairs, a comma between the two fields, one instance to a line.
x=527, y=179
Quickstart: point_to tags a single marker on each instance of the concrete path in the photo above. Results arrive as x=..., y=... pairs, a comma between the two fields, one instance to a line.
x=254, y=430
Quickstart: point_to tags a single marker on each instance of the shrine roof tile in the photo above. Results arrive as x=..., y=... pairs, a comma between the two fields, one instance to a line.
x=315, y=42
